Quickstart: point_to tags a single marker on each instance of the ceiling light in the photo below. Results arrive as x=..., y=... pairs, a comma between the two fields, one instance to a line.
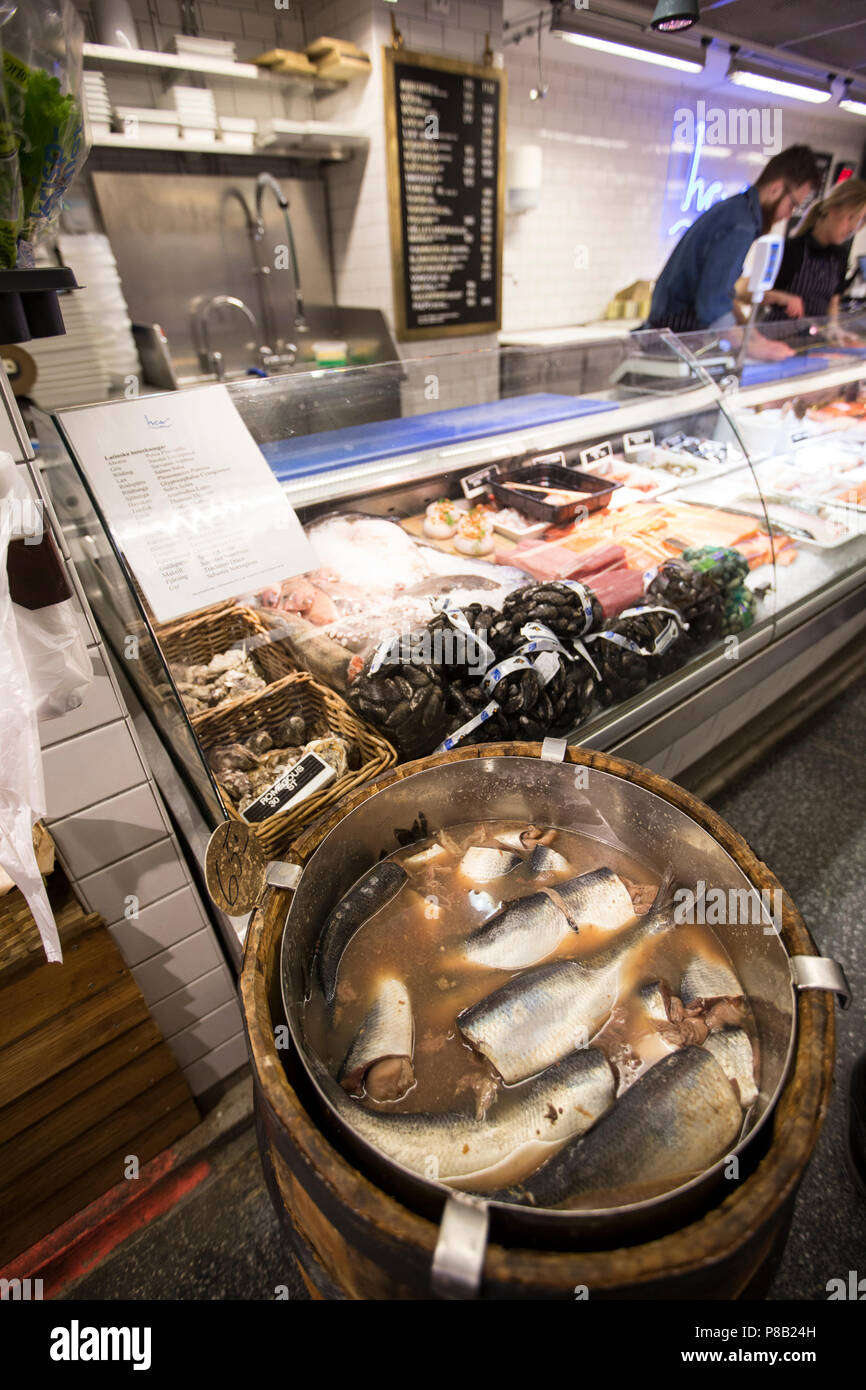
x=777, y=81
x=855, y=102
x=618, y=40
x=673, y=15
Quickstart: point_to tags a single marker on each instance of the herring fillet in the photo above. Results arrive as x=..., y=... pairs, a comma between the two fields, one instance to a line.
x=519, y=1129
x=540, y=1014
x=521, y=933
x=529, y=929
x=386, y=1034
x=732, y=1049
x=367, y=895
x=677, y=1119
x=705, y=980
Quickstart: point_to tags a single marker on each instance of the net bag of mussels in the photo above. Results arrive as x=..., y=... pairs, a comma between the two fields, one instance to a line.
x=694, y=597
x=543, y=686
x=568, y=608
x=638, y=647
x=401, y=694
x=728, y=570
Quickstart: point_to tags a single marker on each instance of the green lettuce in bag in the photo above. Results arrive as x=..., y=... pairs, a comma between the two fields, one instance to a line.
x=42, y=144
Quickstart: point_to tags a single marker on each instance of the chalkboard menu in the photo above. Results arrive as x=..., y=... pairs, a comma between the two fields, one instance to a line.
x=445, y=124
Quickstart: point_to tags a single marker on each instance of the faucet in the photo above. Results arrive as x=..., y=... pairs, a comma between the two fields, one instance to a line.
x=213, y=360
x=267, y=183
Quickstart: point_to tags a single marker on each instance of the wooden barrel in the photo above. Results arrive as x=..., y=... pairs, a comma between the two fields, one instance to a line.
x=353, y=1240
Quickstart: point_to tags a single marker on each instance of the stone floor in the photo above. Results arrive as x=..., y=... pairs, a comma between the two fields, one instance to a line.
x=803, y=810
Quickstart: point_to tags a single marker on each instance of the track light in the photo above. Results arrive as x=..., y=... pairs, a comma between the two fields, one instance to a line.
x=674, y=15
x=619, y=40
x=777, y=81
x=853, y=101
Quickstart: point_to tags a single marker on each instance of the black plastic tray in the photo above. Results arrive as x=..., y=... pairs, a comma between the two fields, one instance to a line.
x=551, y=475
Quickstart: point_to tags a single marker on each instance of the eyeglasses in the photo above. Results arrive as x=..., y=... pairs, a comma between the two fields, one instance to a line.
x=799, y=209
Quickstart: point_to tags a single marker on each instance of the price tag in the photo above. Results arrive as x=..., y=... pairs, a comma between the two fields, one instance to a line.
x=476, y=483
x=596, y=453
x=554, y=460
x=297, y=784
x=637, y=439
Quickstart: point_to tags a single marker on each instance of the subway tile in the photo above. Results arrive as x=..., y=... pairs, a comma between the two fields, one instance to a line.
x=99, y=705
x=180, y=965
x=429, y=38
x=114, y=829
x=217, y=1064
x=90, y=768
x=158, y=926
x=186, y=1006
x=207, y=1033
x=478, y=17
x=150, y=875
x=218, y=21
x=259, y=25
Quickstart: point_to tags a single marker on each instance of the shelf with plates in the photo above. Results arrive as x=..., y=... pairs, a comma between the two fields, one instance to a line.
x=318, y=140
x=104, y=56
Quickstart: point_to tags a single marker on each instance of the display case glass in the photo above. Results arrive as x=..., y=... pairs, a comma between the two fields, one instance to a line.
x=683, y=508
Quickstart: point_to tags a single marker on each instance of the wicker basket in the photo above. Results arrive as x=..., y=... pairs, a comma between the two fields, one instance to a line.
x=324, y=713
x=194, y=641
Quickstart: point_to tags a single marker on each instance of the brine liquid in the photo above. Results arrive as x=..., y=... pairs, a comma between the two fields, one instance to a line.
x=419, y=936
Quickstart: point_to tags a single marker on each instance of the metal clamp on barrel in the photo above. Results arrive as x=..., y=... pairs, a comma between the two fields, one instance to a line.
x=458, y=1260
x=553, y=750
x=821, y=972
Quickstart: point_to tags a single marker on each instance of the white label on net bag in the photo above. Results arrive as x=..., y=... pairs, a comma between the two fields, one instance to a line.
x=459, y=734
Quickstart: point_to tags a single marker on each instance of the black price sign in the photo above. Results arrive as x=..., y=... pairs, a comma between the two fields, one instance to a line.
x=445, y=124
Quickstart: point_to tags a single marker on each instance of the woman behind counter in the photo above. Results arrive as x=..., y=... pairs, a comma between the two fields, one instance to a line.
x=815, y=261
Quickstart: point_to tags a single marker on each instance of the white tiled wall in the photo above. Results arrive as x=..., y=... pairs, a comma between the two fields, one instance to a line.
x=116, y=844
x=605, y=149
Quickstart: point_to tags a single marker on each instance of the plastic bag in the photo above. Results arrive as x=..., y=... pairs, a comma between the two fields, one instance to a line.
x=42, y=144
x=22, y=787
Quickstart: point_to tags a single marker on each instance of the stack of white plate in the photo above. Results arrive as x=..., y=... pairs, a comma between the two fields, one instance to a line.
x=71, y=370
x=102, y=303
x=188, y=46
x=196, y=112
x=238, y=132
x=97, y=105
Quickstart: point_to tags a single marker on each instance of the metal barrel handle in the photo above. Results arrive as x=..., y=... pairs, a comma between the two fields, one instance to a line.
x=821, y=972
x=458, y=1260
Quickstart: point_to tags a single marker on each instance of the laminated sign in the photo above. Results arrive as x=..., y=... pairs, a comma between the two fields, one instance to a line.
x=188, y=497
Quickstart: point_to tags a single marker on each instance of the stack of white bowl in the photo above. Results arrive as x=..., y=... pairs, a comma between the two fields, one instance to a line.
x=189, y=46
x=97, y=105
x=196, y=112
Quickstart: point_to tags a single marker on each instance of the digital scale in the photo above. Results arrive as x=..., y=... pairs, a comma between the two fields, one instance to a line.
x=649, y=371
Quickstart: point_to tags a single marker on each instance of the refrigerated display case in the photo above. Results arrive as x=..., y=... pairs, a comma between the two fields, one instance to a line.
x=713, y=559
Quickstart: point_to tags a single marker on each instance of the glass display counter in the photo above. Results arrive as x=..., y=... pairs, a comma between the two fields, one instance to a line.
x=630, y=544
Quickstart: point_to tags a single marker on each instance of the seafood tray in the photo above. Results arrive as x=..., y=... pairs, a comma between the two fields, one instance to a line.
x=810, y=522
x=323, y=713
x=593, y=493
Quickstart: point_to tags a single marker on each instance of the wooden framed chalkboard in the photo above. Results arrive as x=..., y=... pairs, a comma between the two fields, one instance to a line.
x=445, y=127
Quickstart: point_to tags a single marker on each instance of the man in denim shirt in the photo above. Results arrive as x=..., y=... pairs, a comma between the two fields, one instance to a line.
x=696, y=288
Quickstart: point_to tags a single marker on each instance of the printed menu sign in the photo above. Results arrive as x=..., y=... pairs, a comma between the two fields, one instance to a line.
x=188, y=497
x=446, y=148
